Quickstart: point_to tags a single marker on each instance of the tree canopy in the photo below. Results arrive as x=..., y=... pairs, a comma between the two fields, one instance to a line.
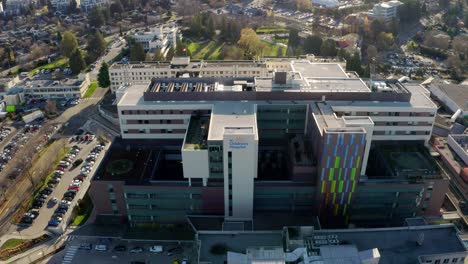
x=96, y=46
x=137, y=52
x=250, y=42
x=77, y=63
x=103, y=76
x=68, y=44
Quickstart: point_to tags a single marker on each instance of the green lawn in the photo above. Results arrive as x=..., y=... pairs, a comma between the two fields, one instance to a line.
x=83, y=211
x=205, y=50
x=92, y=87
x=194, y=46
x=280, y=40
x=53, y=65
x=272, y=50
x=271, y=30
x=11, y=243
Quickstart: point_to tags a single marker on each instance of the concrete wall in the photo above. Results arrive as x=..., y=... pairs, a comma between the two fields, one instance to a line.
x=195, y=163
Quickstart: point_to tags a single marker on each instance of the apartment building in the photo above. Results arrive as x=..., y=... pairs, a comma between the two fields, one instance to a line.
x=386, y=11
x=295, y=136
x=159, y=37
x=16, y=7
x=62, y=5
x=87, y=5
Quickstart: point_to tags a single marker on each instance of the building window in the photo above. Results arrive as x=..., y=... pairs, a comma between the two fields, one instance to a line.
x=113, y=201
x=454, y=260
x=446, y=260
x=437, y=261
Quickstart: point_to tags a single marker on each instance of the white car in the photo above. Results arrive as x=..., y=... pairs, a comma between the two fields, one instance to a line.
x=74, y=184
x=156, y=249
x=65, y=202
x=77, y=181
x=59, y=172
x=100, y=248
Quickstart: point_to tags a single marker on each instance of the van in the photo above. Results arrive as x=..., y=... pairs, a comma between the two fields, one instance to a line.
x=24, y=74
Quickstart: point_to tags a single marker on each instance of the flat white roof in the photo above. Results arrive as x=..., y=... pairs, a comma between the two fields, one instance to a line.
x=233, y=118
x=310, y=69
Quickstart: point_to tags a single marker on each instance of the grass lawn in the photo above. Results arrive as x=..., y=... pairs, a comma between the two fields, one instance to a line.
x=205, y=50
x=273, y=50
x=55, y=64
x=194, y=46
x=271, y=30
x=83, y=213
x=92, y=87
x=280, y=40
x=11, y=243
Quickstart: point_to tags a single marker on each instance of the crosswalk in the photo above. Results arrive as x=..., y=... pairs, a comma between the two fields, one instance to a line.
x=69, y=255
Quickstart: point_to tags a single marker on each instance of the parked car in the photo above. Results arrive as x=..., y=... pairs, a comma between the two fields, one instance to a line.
x=73, y=188
x=85, y=246
x=77, y=162
x=100, y=248
x=53, y=200
x=54, y=222
x=137, y=250
x=120, y=248
x=156, y=249
x=185, y=261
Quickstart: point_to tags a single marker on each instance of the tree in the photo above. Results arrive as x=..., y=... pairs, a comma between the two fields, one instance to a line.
x=294, y=39
x=384, y=40
x=51, y=107
x=96, y=46
x=250, y=43
x=328, y=48
x=312, y=45
x=95, y=17
x=103, y=76
x=72, y=7
x=68, y=44
x=137, y=52
x=77, y=63
x=116, y=7
x=371, y=52
x=353, y=63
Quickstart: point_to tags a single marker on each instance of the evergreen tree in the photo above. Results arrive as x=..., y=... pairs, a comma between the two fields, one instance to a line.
x=312, y=45
x=77, y=63
x=103, y=76
x=95, y=17
x=294, y=39
x=328, y=48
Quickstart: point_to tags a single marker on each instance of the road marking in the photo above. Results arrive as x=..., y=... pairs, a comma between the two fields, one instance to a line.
x=70, y=254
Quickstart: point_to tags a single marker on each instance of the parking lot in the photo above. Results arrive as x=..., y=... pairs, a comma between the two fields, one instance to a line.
x=48, y=212
x=75, y=252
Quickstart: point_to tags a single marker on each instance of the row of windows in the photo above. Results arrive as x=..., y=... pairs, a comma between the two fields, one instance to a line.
x=159, y=112
x=194, y=196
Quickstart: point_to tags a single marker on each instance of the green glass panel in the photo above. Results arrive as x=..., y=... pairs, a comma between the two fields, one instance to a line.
x=333, y=186
x=353, y=174
x=337, y=161
x=340, y=186
x=332, y=173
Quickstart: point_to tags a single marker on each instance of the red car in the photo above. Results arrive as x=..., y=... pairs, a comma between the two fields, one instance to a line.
x=79, y=177
x=60, y=168
x=76, y=188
